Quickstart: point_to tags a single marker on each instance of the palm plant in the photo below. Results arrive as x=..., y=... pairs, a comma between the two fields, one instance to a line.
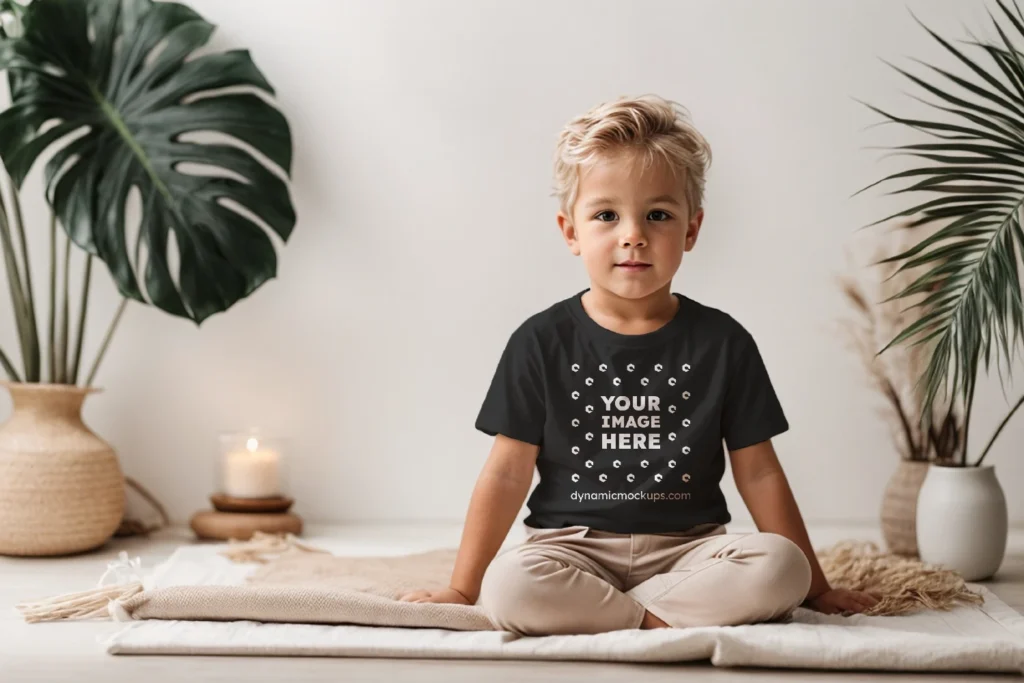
x=973, y=174
x=112, y=89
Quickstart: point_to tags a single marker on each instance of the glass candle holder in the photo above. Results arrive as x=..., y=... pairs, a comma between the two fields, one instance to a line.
x=252, y=465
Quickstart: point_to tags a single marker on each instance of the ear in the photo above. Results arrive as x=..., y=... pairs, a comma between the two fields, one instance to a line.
x=568, y=230
x=693, y=229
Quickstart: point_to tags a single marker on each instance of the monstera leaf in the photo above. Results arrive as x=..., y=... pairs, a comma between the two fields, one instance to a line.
x=112, y=89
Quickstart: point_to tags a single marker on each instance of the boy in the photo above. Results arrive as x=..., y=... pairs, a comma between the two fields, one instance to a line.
x=622, y=396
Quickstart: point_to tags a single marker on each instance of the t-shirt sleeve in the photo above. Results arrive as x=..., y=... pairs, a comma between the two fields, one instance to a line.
x=514, y=403
x=752, y=412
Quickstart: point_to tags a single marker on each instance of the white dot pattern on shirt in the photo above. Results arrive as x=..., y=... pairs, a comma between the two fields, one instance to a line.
x=644, y=382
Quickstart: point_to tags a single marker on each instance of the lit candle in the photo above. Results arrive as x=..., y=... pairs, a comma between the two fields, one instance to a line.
x=251, y=473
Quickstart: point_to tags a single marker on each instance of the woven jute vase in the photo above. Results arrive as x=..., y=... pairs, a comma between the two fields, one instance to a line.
x=61, y=487
x=899, y=507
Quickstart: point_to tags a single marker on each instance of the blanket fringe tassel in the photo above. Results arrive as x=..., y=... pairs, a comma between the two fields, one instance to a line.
x=905, y=584
x=263, y=547
x=91, y=604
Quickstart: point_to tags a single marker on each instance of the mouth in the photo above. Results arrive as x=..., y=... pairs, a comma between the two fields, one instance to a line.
x=633, y=266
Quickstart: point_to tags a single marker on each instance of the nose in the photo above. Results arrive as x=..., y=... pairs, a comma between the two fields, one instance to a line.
x=632, y=235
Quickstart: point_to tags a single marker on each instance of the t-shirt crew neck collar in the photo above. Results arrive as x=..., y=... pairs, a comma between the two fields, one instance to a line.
x=603, y=334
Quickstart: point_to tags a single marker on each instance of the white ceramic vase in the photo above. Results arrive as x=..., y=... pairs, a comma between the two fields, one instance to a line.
x=962, y=520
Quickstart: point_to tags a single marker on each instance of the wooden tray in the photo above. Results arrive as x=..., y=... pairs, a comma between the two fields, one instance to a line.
x=221, y=526
x=226, y=503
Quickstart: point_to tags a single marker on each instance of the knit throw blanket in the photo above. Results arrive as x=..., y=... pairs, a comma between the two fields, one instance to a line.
x=296, y=583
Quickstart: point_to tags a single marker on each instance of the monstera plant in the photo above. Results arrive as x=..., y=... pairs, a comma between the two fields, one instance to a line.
x=113, y=94
x=117, y=98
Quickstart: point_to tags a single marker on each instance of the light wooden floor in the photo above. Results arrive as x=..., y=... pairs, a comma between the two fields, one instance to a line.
x=69, y=651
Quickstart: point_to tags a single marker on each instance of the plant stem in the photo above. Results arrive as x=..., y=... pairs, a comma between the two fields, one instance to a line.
x=946, y=422
x=14, y=282
x=106, y=341
x=81, y=319
x=11, y=372
x=62, y=351
x=894, y=398
x=53, y=297
x=1001, y=425
x=968, y=406
x=33, y=331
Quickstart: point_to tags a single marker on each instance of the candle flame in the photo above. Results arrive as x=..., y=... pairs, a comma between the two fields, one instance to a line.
x=252, y=445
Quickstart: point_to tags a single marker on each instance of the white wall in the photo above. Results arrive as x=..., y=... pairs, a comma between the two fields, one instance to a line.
x=426, y=233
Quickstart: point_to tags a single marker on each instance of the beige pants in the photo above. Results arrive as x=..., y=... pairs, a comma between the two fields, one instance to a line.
x=582, y=580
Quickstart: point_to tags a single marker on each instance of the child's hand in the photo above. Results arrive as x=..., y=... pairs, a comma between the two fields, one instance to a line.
x=843, y=600
x=445, y=595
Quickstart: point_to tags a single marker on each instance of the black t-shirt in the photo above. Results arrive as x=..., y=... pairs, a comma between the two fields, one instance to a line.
x=631, y=427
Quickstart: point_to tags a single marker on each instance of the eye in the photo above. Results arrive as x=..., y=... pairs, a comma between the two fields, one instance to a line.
x=657, y=212
x=605, y=213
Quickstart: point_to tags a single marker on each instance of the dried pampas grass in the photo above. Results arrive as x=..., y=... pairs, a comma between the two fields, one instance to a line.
x=874, y=322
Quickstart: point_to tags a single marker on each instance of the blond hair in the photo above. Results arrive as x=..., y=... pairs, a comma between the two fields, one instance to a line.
x=649, y=126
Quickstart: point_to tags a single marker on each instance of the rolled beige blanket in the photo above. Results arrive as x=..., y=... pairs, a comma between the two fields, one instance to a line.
x=297, y=583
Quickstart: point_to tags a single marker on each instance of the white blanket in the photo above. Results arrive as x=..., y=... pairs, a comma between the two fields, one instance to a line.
x=985, y=638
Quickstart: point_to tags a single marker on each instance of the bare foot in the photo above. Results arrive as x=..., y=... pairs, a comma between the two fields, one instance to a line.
x=651, y=621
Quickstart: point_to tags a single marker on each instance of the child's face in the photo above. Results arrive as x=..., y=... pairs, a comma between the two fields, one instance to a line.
x=622, y=215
